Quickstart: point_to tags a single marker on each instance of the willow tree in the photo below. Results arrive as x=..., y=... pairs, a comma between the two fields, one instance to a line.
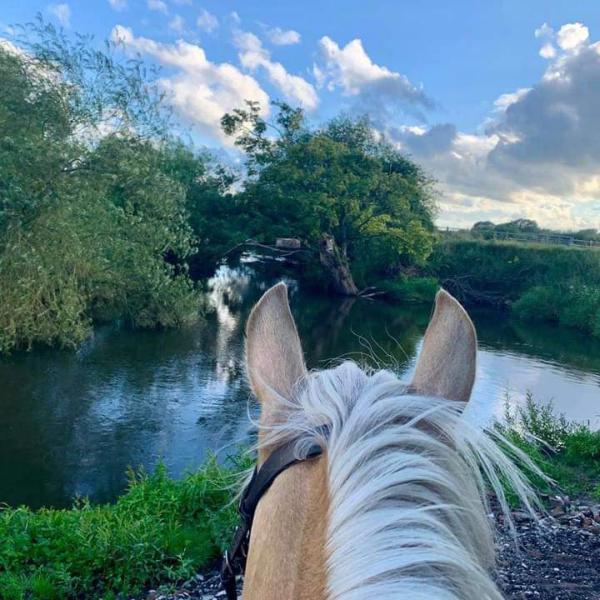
x=91, y=225
x=352, y=198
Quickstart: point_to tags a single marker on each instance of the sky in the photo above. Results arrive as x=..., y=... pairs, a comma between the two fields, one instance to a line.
x=497, y=100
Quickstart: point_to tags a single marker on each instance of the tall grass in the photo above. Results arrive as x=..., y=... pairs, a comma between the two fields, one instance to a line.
x=537, y=282
x=567, y=452
x=161, y=530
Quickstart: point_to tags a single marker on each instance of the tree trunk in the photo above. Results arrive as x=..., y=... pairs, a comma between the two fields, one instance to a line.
x=336, y=264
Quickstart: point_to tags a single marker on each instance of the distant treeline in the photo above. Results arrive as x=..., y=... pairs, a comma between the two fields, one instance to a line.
x=489, y=230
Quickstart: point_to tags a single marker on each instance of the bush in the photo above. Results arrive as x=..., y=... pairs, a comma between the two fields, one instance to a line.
x=565, y=451
x=540, y=303
x=410, y=289
x=161, y=530
x=550, y=283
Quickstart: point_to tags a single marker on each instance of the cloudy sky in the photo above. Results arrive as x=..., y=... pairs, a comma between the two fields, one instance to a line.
x=498, y=100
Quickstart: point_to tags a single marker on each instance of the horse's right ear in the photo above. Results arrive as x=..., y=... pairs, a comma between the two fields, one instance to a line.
x=446, y=365
x=274, y=360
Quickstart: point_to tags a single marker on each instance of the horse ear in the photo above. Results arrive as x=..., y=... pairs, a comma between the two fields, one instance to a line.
x=446, y=365
x=274, y=360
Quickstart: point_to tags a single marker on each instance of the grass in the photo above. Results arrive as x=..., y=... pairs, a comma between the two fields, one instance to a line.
x=161, y=530
x=567, y=452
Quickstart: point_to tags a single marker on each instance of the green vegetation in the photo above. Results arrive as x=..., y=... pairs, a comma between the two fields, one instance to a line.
x=488, y=230
x=538, y=282
x=159, y=531
x=567, y=452
x=104, y=216
x=93, y=220
x=411, y=290
x=360, y=208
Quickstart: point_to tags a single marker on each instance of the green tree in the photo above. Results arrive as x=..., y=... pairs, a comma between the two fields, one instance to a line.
x=353, y=199
x=92, y=226
x=215, y=215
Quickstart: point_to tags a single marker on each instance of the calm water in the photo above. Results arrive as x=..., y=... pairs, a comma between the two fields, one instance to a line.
x=73, y=422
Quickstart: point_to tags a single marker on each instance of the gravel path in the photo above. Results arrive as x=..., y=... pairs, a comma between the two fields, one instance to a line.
x=559, y=559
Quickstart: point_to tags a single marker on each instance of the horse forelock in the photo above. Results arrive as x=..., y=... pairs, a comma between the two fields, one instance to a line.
x=408, y=515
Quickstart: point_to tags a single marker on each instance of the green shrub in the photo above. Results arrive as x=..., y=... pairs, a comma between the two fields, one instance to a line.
x=539, y=282
x=410, y=289
x=580, y=307
x=161, y=530
x=565, y=451
x=540, y=303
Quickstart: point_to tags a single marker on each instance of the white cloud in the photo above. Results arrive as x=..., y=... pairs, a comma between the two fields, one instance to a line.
x=376, y=89
x=207, y=21
x=62, y=12
x=548, y=51
x=254, y=56
x=118, y=5
x=505, y=100
x=572, y=35
x=544, y=31
x=200, y=91
x=177, y=24
x=281, y=37
x=538, y=156
x=158, y=6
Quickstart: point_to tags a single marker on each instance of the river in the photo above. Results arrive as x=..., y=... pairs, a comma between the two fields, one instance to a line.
x=73, y=422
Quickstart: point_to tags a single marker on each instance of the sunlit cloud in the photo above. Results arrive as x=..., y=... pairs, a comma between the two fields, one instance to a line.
x=253, y=56
x=201, y=91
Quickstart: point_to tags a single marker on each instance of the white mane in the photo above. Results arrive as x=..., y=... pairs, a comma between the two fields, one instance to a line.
x=407, y=481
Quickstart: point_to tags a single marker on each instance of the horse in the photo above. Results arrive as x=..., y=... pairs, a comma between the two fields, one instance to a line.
x=396, y=504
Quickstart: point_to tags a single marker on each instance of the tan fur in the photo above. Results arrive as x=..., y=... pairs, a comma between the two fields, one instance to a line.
x=287, y=548
x=287, y=557
x=446, y=366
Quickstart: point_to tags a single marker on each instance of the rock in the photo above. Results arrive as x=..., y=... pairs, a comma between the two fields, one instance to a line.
x=520, y=516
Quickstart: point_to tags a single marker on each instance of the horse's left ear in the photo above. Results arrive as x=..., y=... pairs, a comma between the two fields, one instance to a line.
x=274, y=358
x=446, y=365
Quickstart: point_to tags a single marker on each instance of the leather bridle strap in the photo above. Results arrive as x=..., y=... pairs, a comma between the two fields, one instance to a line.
x=279, y=460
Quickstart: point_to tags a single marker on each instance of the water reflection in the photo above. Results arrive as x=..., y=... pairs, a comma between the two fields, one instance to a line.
x=73, y=423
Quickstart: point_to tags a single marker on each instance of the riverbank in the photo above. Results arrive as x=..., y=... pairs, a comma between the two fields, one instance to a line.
x=163, y=534
x=161, y=530
x=553, y=559
x=535, y=282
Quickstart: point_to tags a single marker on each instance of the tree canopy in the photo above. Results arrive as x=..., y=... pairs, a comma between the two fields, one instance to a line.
x=91, y=224
x=344, y=191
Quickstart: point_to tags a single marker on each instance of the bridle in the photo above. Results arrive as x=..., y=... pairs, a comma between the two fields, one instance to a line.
x=281, y=459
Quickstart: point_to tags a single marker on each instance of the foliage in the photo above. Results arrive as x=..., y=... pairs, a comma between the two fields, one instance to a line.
x=91, y=225
x=549, y=283
x=567, y=452
x=486, y=229
x=410, y=289
x=215, y=215
x=339, y=181
x=161, y=530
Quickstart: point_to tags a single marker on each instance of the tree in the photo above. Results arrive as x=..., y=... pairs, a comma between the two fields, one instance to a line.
x=353, y=199
x=92, y=226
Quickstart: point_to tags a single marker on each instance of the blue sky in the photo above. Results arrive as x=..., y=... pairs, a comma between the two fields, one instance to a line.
x=496, y=99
